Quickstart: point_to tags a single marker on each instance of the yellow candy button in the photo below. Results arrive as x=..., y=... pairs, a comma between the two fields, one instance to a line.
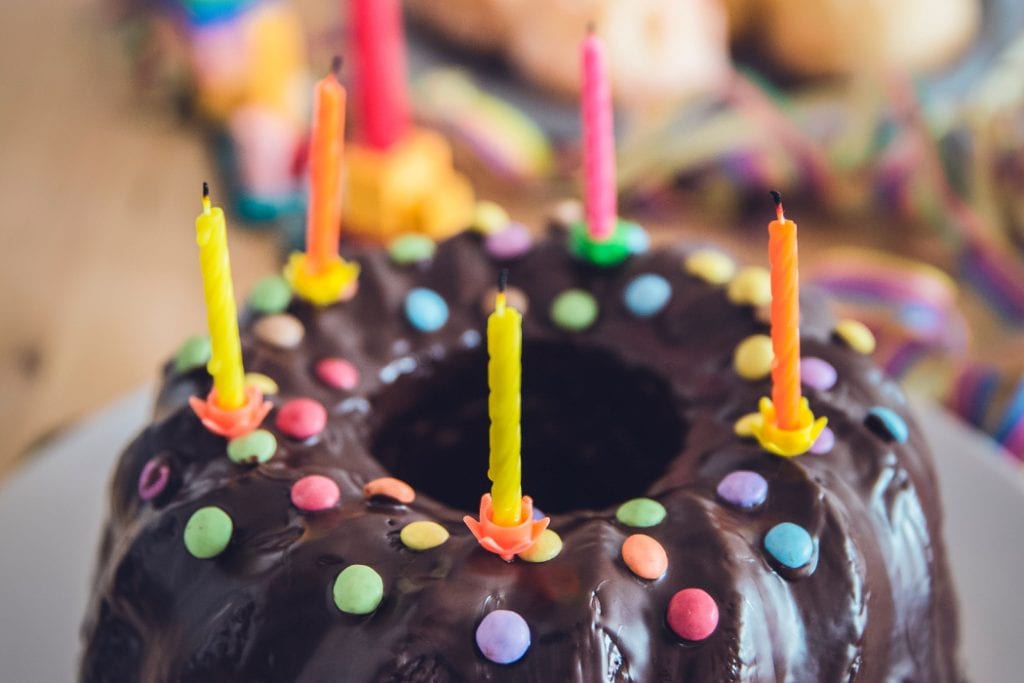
x=265, y=384
x=711, y=266
x=753, y=357
x=752, y=286
x=423, y=535
x=489, y=217
x=856, y=335
x=547, y=547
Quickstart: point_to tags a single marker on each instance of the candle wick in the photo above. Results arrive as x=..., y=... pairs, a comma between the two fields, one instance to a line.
x=206, y=197
x=503, y=280
x=336, y=62
x=591, y=27
x=777, y=196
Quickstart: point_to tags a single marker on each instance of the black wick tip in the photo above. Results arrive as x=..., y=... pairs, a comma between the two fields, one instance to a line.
x=336, y=64
x=503, y=279
x=206, y=189
x=777, y=196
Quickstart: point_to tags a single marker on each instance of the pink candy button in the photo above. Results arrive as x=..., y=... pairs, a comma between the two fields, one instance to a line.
x=301, y=418
x=314, y=493
x=337, y=373
x=692, y=614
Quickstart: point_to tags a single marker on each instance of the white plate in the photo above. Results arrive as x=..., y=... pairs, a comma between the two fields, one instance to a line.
x=50, y=514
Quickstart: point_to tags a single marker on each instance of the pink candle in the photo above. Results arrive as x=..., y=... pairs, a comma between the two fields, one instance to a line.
x=598, y=142
x=380, y=71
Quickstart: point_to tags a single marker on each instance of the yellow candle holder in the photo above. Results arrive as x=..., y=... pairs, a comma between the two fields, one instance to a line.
x=411, y=187
x=506, y=541
x=337, y=282
x=763, y=426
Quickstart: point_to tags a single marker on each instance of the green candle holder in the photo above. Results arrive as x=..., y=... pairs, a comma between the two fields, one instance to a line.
x=603, y=253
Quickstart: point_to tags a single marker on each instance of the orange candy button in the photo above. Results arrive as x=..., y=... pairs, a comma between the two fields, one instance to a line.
x=389, y=487
x=644, y=556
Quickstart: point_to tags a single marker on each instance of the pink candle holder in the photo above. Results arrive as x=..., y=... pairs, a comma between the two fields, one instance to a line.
x=506, y=541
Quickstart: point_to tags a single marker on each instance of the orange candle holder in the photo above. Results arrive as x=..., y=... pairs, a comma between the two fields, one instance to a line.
x=231, y=422
x=785, y=442
x=506, y=541
x=410, y=187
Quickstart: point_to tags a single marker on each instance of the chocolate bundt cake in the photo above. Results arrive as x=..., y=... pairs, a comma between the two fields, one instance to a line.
x=330, y=544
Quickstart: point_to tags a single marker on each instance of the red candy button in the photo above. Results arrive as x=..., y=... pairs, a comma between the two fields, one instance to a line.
x=315, y=492
x=692, y=614
x=337, y=373
x=301, y=418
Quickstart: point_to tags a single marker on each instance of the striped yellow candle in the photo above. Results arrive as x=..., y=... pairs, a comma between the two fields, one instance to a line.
x=504, y=379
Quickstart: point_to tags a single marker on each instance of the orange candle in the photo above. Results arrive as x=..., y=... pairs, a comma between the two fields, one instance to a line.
x=323, y=219
x=785, y=315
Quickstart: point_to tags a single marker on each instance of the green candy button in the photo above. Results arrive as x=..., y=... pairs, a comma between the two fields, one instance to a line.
x=208, y=532
x=270, y=295
x=194, y=353
x=358, y=589
x=253, y=448
x=574, y=310
x=640, y=512
x=411, y=248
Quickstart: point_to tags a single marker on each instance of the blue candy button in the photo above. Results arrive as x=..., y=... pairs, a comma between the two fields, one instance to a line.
x=789, y=544
x=887, y=424
x=647, y=294
x=425, y=309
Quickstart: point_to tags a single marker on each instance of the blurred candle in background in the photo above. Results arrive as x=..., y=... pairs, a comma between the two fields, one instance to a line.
x=381, y=97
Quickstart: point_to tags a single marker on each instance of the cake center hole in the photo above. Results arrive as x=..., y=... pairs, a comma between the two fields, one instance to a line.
x=596, y=431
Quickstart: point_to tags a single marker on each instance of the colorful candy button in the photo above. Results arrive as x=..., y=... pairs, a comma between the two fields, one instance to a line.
x=710, y=265
x=743, y=488
x=153, y=479
x=270, y=295
x=423, y=535
x=825, y=441
x=337, y=373
x=208, y=532
x=358, y=589
x=645, y=557
x=315, y=493
x=887, y=424
x=789, y=544
x=514, y=297
x=566, y=212
x=752, y=359
x=818, y=373
x=389, y=487
x=489, y=217
x=503, y=636
x=425, y=309
x=856, y=335
x=510, y=242
x=574, y=310
x=281, y=330
x=262, y=382
x=411, y=248
x=641, y=512
x=637, y=239
x=255, y=447
x=752, y=286
x=547, y=547
x=301, y=418
x=194, y=353
x=647, y=294
x=692, y=614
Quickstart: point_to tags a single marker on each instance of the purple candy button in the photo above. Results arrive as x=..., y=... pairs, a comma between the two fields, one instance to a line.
x=153, y=479
x=825, y=441
x=817, y=373
x=743, y=488
x=511, y=242
x=503, y=636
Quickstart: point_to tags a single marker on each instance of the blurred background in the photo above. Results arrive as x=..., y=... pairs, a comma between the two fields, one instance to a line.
x=894, y=129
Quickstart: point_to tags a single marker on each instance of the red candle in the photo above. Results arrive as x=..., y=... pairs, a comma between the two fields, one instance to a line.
x=323, y=219
x=598, y=142
x=380, y=71
x=785, y=315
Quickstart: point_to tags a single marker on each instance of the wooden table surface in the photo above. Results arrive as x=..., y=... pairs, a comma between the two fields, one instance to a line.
x=99, y=191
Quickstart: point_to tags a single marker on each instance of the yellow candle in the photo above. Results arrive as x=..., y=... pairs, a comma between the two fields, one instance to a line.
x=504, y=378
x=222, y=318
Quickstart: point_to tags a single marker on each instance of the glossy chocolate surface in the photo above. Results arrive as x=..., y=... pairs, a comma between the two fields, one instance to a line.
x=628, y=407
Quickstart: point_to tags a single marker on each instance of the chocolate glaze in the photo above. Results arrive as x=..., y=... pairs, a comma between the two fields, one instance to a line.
x=875, y=603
